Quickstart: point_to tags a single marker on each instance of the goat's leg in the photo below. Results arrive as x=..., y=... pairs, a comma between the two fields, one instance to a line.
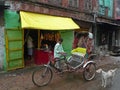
x=102, y=82
x=111, y=80
x=105, y=82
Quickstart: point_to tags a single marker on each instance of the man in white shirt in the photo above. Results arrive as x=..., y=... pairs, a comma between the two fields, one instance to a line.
x=58, y=50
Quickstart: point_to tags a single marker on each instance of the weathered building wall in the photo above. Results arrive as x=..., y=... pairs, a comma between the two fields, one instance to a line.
x=2, y=44
x=119, y=38
x=50, y=9
x=83, y=11
x=117, y=9
x=1, y=18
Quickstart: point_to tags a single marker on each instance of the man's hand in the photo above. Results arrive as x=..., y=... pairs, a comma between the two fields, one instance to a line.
x=63, y=53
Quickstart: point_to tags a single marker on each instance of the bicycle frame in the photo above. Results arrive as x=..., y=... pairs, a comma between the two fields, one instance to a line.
x=88, y=69
x=69, y=67
x=82, y=65
x=50, y=64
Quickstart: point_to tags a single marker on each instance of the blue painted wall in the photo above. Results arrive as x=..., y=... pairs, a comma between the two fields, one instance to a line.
x=106, y=8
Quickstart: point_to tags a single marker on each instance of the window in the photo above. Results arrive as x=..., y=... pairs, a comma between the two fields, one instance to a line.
x=88, y=4
x=74, y=3
x=55, y=2
x=118, y=8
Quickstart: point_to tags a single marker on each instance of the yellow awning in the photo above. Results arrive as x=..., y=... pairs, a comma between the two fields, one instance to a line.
x=46, y=22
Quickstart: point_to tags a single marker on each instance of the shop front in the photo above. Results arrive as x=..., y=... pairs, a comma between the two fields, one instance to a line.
x=45, y=30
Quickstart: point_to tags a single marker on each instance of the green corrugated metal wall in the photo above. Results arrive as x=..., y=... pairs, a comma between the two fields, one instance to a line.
x=14, y=41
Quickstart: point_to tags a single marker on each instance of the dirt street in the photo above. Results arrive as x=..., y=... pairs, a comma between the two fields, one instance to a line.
x=21, y=79
x=76, y=82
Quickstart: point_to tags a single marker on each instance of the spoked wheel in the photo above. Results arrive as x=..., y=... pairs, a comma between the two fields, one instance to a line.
x=89, y=71
x=42, y=76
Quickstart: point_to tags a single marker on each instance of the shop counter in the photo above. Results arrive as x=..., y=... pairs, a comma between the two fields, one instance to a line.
x=41, y=56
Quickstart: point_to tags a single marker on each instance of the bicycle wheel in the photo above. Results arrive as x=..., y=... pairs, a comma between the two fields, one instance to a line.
x=42, y=76
x=89, y=71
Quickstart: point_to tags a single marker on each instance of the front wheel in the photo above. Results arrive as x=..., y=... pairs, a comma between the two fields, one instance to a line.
x=89, y=71
x=42, y=76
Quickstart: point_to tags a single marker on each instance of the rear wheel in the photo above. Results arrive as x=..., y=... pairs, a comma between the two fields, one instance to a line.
x=42, y=76
x=89, y=71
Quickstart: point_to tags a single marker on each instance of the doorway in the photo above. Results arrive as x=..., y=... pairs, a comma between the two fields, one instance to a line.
x=34, y=35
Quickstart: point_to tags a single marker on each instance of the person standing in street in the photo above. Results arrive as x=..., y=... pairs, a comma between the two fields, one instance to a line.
x=104, y=45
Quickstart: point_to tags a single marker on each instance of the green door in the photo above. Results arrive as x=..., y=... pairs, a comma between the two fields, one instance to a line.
x=14, y=49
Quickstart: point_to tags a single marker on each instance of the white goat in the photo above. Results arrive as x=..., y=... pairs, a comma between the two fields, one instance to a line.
x=107, y=75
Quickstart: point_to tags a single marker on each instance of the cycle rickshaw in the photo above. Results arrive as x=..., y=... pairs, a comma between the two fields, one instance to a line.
x=44, y=74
